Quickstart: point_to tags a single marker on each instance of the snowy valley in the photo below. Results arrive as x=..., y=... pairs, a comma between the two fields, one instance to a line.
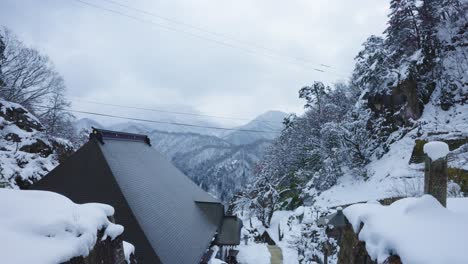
x=372, y=170
x=222, y=163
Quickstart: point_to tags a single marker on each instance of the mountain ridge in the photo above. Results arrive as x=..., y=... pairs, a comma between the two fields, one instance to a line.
x=222, y=165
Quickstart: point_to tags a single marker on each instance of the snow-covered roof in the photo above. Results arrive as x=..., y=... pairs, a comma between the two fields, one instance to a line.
x=45, y=227
x=163, y=201
x=169, y=218
x=419, y=230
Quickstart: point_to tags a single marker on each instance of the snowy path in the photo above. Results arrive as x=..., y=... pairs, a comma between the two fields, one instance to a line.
x=276, y=255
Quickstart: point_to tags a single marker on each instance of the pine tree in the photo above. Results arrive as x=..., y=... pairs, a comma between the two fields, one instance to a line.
x=372, y=68
x=403, y=31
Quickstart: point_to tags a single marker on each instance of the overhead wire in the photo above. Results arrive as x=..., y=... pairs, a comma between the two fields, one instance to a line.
x=73, y=98
x=219, y=42
x=156, y=121
x=217, y=34
x=168, y=111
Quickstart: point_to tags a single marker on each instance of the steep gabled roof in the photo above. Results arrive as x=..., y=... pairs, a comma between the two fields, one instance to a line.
x=158, y=205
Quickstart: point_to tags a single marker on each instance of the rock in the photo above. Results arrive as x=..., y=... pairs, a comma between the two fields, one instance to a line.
x=393, y=260
x=62, y=149
x=12, y=137
x=27, y=152
x=352, y=251
x=400, y=107
x=23, y=184
x=21, y=118
x=104, y=252
x=38, y=147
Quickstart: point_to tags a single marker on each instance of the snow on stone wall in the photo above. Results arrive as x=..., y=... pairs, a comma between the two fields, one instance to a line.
x=45, y=227
x=419, y=230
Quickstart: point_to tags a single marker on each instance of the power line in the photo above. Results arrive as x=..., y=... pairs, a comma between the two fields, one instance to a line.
x=157, y=110
x=171, y=20
x=219, y=42
x=157, y=121
x=170, y=112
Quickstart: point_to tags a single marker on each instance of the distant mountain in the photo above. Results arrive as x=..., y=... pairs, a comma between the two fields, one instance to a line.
x=271, y=122
x=220, y=163
x=218, y=166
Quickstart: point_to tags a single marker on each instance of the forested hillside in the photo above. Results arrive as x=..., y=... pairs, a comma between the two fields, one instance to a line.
x=362, y=140
x=218, y=165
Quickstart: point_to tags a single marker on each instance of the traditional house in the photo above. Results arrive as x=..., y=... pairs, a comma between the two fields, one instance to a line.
x=166, y=216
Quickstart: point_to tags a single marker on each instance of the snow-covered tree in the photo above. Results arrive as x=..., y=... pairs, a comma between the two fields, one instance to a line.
x=309, y=153
x=422, y=57
x=29, y=78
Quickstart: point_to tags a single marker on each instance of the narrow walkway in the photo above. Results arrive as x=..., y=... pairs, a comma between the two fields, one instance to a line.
x=276, y=255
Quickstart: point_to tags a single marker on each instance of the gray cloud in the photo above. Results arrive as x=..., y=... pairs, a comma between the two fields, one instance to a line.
x=110, y=58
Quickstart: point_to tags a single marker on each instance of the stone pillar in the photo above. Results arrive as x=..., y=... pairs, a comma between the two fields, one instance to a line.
x=435, y=171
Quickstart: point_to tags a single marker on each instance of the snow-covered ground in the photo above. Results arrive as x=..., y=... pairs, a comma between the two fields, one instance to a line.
x=392, y=175
x=258, y=253
x=45, y=227
x=387, y=176
x=280, y=218
x=419, y=230
x=253, y=253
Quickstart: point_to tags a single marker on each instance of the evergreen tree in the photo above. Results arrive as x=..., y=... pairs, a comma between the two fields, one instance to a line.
x=403, y=31
x=372, y=69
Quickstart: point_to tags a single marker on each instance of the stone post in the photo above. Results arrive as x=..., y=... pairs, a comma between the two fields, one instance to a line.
x=435, y=171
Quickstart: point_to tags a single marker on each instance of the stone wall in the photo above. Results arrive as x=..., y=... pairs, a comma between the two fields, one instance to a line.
x=353, y=251
x=104, y=252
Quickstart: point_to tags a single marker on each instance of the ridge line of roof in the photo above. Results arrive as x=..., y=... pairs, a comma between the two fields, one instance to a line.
x=101, y=134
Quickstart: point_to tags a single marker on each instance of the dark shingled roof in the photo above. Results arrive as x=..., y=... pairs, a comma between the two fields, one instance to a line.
x=166, y=216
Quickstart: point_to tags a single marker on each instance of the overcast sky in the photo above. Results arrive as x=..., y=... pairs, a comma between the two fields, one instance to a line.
x=246, y=68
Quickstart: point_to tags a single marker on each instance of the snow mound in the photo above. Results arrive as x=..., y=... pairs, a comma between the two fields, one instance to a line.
x=419, y=230
x=46, y=227
x=129, y=250
x=253, y=253
x=436, y=150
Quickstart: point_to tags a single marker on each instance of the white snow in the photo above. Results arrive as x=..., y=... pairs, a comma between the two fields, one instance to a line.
x=15, y=163
x=458, y=205
x=213, y=259
x=216, y=261
x=45, y=227
x=419, y=230
x=129, y=249
x=253, y=253
x=113, y=231
x=389, y=176
x=281, y=218
x=436, y=150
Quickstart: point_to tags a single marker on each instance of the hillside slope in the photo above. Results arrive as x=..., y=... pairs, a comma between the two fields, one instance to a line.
x=271, y=122
x=26, y=152
x=218, y=165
